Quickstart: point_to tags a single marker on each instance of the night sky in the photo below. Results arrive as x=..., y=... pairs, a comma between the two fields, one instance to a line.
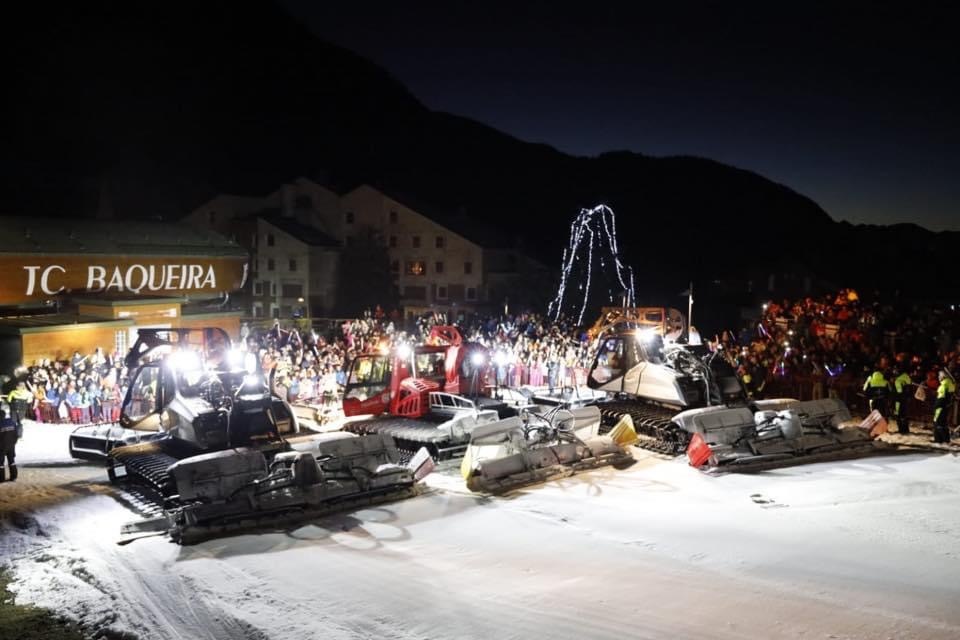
x=855, y=107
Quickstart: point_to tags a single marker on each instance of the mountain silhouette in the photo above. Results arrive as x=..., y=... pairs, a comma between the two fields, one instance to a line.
x=164, y=105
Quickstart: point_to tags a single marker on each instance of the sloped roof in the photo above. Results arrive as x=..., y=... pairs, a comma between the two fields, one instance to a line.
x=22, y=234
x=305, y=233
x=459, y=221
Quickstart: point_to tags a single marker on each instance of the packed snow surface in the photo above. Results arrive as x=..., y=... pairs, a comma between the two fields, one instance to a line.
x=865, y=549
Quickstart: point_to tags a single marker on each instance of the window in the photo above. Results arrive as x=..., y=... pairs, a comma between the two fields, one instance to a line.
x=471, y=294
x=393, y=217
x=271, y=265
x=258, y=288
x=293, y=264
x=395, y=266
x=349, y=217
x=273, y=288
x=416, y=242
x=258, y=310
x=440, y=242
x=142, y=395
x=393, y=242
x=274, y=311
x=438, y=267
x=468, y=268
x=120, y=341
x=270, y=240
x=416, y=268
x=441, y=293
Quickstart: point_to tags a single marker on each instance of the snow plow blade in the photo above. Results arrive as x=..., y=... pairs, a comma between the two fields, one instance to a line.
x=782, y=433
x=94, y=442
x=513, y=452
x=237, y=490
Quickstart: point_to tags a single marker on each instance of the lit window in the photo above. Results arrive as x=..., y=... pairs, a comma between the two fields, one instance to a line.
x=416, y=268
x=438, y=267
x=120, y=341
x=440, y=242
x=416, y=242
x=468, y=267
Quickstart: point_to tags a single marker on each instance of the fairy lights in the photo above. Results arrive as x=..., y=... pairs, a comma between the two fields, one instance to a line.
x=592, y=227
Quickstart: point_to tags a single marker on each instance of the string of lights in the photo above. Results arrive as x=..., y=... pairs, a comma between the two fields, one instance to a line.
x=592, y=227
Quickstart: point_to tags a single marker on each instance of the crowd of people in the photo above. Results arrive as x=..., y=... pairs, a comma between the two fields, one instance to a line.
x=525, y=348
x=83, y=389
x=833, y=344
x=836, y=343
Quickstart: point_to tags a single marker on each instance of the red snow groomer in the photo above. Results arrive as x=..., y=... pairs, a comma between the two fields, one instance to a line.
x=424, y=395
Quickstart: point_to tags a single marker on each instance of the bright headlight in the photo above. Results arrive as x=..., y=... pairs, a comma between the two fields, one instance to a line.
x=477, y=358
x=185, y=361
x=252, y=382
x=235, y=358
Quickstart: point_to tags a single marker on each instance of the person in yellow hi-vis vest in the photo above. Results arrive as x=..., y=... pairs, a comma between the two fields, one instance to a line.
x=941, y=408
x=19, y=400
x=901, y=385
x=877, y=389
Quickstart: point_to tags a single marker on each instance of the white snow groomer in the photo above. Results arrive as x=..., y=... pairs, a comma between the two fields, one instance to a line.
x=680, y=402
x=427, y=395
x=540, y=444
x=220, y=452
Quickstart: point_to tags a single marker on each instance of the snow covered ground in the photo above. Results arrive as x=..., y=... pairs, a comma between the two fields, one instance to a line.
x=861, y=549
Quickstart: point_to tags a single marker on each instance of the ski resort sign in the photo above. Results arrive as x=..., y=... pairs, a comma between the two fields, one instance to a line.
x=28, y=278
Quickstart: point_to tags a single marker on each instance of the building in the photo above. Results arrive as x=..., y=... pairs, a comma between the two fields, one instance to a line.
x=433, y=266
x=437, y=259
x=73, y=284
x=295, y=269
